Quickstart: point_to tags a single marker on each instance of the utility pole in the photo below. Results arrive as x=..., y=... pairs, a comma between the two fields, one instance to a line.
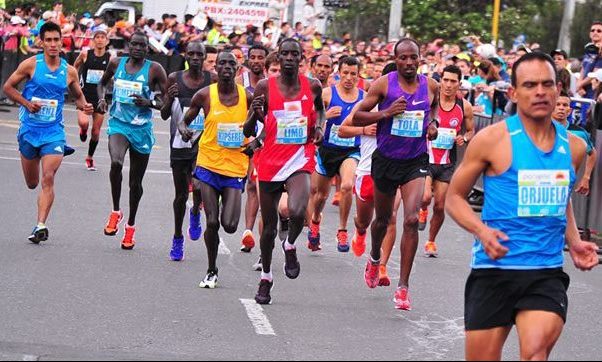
x=395, y=19
x=495, y=31
x=564, y=40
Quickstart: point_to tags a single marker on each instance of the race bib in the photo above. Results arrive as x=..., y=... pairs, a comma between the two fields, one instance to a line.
x=94, y=76
x=230, y=135
x=446, y=139
x=198, y=124
x=292, y=128
x=48, y=111
x=543, y=193
x=338, y=141
x=409, y=124
x=124, y=90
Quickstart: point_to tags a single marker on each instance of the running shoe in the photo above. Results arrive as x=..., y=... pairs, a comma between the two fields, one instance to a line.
x=283, y=230
x=113, y=224
x=383, y=277
x=430, y=249
x=314, y=237
x=263, y=294
x=358, y=244
x=210, y=281
x=194, y=228
x=371, y=274
x=342, y=241
x=177, y=249
x=248, y=242
x=39, y=234
x=423, y=216
x=402, y=299
x=68, y=151
x=258, y=266
x=128, y=241
x=83, y=135
x=90, y=164
x=292, y=268
x=336, y=200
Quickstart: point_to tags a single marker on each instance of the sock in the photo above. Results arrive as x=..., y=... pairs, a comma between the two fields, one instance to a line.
x=374, y=262
x=248, y=232
x=266, y=276
x=288, y=246
x=41, y=225
x=92, y=147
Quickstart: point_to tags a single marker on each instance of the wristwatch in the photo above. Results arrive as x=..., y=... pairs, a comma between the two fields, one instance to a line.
x=436, y=121
x=465, y=139
x=154, y=103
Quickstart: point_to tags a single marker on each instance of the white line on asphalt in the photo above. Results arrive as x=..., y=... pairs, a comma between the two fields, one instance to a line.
x=258, y=318
x=222, y=249
x=16, y=124
x=30, y=357
x=158, y=172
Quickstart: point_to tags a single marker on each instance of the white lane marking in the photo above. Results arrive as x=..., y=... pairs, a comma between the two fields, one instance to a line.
x=223, y=248
x=81, y=165
x=258, y=318
x=16, y=125
x=30, y=357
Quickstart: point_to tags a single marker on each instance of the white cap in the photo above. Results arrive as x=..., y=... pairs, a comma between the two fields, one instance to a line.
x=486, y=51
x=465, y=85
x=16, y=20
x=597, y=75
x=48, y=15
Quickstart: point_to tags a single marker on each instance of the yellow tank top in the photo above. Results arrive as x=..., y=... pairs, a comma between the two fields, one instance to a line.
x=222, y=140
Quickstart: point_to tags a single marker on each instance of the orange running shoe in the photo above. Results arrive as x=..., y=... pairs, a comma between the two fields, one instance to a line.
x=337, y=198
x=430, y=249
x=423, y=216
x=342, y=244
x=248, y=242
x=128, y=241
x=402, y=299
x=112, y=226
x=383, y=278
x=313, y=237
x=358, y=244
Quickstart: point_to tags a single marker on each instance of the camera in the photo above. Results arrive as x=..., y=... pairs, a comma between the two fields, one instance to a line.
x=591, y=48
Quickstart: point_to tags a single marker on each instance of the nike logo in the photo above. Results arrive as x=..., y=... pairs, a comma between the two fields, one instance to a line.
x=414, y=103
x=423, y=171
x=239, y=180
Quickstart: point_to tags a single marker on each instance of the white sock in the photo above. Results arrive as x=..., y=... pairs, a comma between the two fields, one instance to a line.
x=41, y=225
x=248, y=232
x=267, y=276
x=374, y=262
x=288, y=246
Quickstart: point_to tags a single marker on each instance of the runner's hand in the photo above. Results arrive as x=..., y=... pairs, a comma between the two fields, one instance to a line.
x=397, y=108
x=185, y=132
x=460, y=141
x=371, y=130
x=334, y=112
x=88, y=109
x=490, y=239
x=102, y=106
x=258, y=104
x=34, y=107
x=583, y=188
x=432, y=132
x=584, y=255
x=251, y=147
x=318, y=136
x=141, y=101
x=173, y=91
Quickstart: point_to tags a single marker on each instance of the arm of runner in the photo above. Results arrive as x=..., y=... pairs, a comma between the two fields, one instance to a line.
x=364, y=115
x=79, y=62
x=170, y=95
x=197, y=103
x=590, y=164
x=76, y=91
x=158, y=81
x=104, y=82
x=348, y=130
x=24, y=72
x=257, y=110
x=318, y=136
x=583, y=253
x=331, y=112
x=469, y=132
x=475, y=162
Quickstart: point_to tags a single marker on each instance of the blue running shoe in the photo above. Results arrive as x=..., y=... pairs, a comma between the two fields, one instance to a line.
x=177, y=249
x=195, y=229
x=38, y=235
x=68, y=151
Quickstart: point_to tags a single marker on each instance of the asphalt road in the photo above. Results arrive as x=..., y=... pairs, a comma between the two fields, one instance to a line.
x=79, y=296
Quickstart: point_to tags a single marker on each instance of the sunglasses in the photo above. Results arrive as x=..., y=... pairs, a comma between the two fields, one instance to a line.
x=596, y=31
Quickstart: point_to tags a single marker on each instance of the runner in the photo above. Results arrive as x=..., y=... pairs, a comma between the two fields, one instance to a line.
x=181, y=87
x=455, y=130
x=407, y=103
x=130, y=126
x=321, y=68
x=293, y=125
x=221, y=165
x=256, y=61
x=529, y=164
x=91, y=65
x=336, y=156
x=42, y=133
x=561, y=114
x=211, y=59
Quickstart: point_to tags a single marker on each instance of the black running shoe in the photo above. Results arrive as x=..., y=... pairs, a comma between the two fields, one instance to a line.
x=68, y=151
x=38, y=235
x=292, y=268
x=263, y=294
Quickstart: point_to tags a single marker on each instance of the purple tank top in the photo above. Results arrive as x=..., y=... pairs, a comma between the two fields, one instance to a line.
x=404, y=137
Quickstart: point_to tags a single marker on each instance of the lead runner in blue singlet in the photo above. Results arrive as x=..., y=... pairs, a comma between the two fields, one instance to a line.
x=529, y=164
x=42, y=132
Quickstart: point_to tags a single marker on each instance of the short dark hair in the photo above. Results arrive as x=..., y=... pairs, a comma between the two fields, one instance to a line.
x=49, y=27
x=211, y=50
x=454, y=70
x=530, y=57
x=314, y=59
x=350, y=61
x=564, y=93
x=597, y=22
x=141, y=34
x=270, y=59
x=258, y=47
x=290, y=40
x=405, y=40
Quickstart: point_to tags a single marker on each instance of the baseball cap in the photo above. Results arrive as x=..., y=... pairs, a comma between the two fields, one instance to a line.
x=16, y=20
x=559, y=52
x=597, y=75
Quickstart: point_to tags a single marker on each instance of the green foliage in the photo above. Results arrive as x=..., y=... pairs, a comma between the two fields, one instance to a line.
x=70, y=6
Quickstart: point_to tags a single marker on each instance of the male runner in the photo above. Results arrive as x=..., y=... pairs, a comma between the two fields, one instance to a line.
x=256, y=63
x=272, y=65
x=456, y=128
x=561, y=114
x=181, y=87
x=529, y=164
x=209, y=64
x=407, y=104
x=337, y=155
x=293, y=117
x=91, y=65
x=130, y=126
x=42, y=133
x=321, y=68
x=221, y=165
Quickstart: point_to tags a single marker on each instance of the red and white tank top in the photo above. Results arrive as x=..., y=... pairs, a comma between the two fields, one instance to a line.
x=442, y=151
x=289, y=125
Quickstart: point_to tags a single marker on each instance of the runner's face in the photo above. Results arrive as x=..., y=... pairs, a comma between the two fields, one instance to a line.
x=195, y=55
x=322, y=68
x=210, y=62
x=138, y=47
x=52, y=43
x=289, y=57
x=536, y=90
x=349, y=76
x=226, y=67
x=101, y=41
x=563, y=109
x=407, y=59
x=450, y=84
x=274, y=70
x=257, y=61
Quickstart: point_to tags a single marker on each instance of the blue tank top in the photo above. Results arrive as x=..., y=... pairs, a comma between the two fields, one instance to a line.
x=528, y=203
x=123, y=108
x=47, y=88
x=404, y=137
x=331, y=137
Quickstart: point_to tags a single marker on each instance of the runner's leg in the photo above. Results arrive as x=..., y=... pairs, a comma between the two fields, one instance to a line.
x=50, y=166
x=181, y=176
x=83, y=121
x=138, y=165
x=231, y=209
x=391, y=236
x=98, y=120
x=320, y=189
x=347, y=173
x=269, y=215
x=118, y=146
x=538, y=332
x=31, y=172
x=438, y=209
x=298, y=196
x=486, y=345
x=211, y=201
x=383, y=212
x=411, y=194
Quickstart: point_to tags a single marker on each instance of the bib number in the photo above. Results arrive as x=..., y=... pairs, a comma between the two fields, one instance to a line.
x=338, y=141
x=409, y=124
x=94, y=76
x=124, y=90
x=292, y=128
x=446, y=139
x=47, y=113
x=230, y=135
x=198, y=124
x=543, y=193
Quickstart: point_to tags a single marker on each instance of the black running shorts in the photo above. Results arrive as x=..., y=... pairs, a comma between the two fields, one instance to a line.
x=389, y=174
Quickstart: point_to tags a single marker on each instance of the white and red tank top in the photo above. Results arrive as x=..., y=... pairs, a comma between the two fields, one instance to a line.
x=442, y=151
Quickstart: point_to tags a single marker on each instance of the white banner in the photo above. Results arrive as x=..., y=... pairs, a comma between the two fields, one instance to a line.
x=237, y=13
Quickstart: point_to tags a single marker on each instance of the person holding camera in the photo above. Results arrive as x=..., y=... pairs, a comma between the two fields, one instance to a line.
x=592, y=61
